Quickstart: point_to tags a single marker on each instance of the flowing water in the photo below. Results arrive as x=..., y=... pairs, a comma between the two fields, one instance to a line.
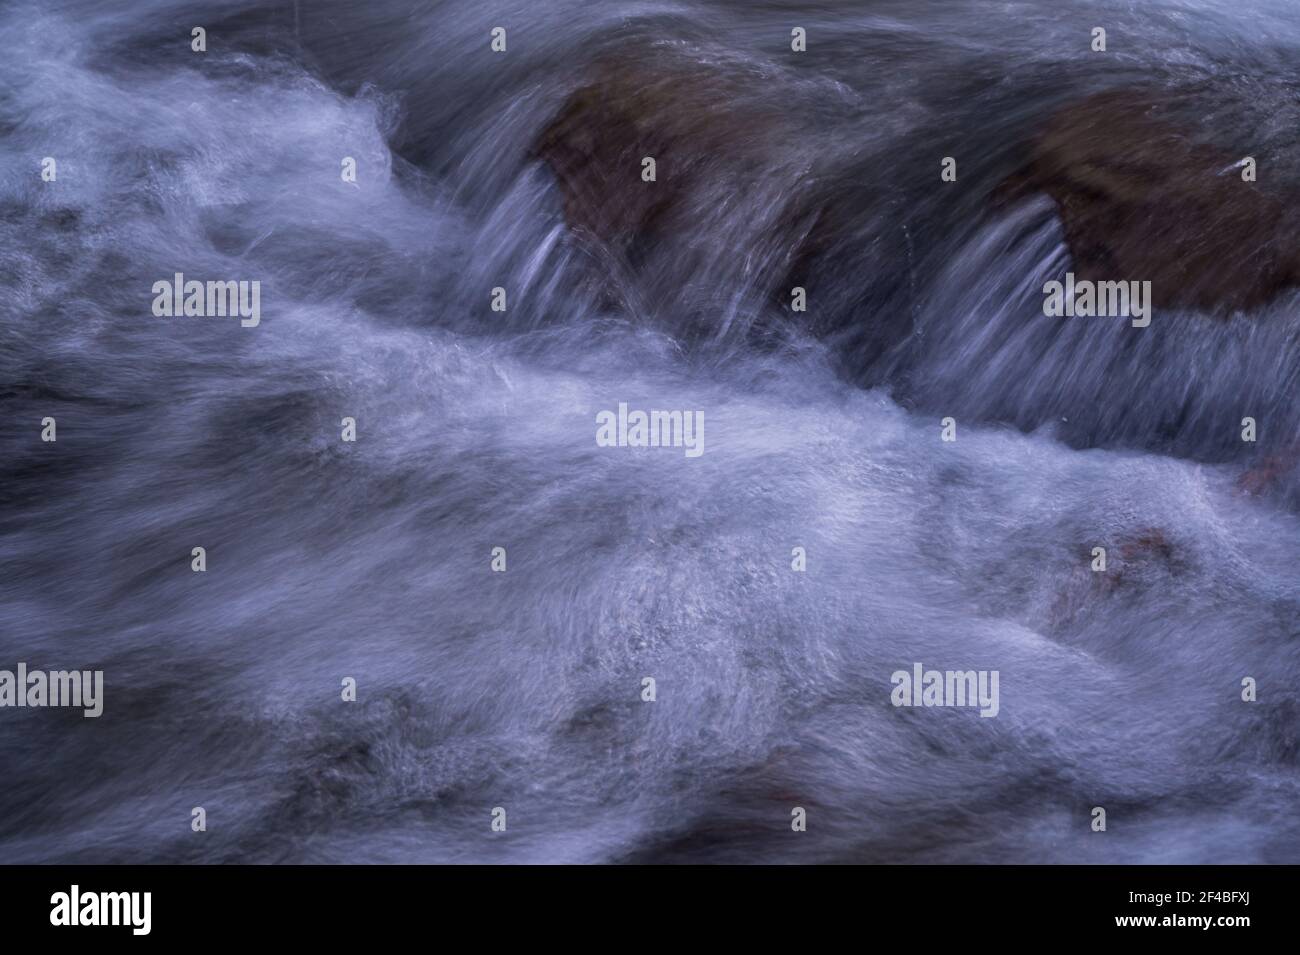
x=476, y=429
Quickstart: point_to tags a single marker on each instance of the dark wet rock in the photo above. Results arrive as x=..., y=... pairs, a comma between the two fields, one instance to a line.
x=1271, y=471
x=1140, y=559
x=1142, y=198
x=718, y=143
x=1149, y=543
x=679, y=112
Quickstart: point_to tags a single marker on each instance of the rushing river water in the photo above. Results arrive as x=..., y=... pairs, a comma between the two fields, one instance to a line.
x=522, y=689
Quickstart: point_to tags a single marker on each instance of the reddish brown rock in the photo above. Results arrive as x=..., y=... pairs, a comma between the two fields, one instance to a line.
x=694, y=121
x=1270, y=472
x=718, y=139
x=1143, y=553
x=1141, y=199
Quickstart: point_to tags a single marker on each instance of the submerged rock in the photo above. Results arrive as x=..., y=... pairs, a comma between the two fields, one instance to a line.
x=1140, y=199
x=1272, y=471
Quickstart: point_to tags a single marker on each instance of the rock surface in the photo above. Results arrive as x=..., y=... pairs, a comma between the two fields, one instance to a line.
x=1141, y=199
x=715, y=139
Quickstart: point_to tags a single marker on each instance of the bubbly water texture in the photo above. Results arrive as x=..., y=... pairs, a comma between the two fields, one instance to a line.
x=476, y=429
